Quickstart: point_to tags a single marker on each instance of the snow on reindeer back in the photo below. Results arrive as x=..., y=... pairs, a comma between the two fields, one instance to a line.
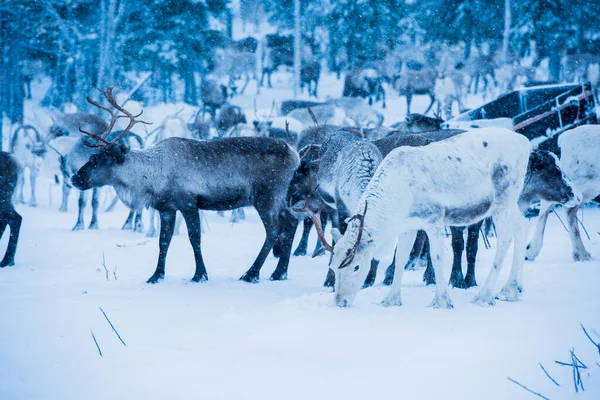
x=479, y=123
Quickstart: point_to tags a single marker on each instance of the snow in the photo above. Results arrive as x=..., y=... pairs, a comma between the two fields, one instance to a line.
x=226, y=339
x=229, y=339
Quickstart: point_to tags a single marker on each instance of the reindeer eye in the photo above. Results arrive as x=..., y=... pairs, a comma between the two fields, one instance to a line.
x=356, y=268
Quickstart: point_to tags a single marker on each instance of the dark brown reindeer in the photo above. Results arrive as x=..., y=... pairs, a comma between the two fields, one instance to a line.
x=9, y=173
x=186, y=175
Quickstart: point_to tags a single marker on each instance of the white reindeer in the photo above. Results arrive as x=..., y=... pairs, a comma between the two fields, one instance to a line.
x=28, y=147
x=457, y=182
x=580, y=160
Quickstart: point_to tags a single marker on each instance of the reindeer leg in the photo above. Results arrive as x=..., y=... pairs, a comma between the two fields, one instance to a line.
x=167, y=225
x=408, y=101
x=504, y=224
x=370, y=279
x=535, y=246
x=192, y=220
x=303, y=245
x=457, y=279
x=432, y=97
x=270, y=221
x=20, y=186
x=405, y=243
x=95, y=205
x=579, y=251
x=128, y=225
x=14, y=222
x=33, y=174
x=472, y=248
x=138, y=225
x=151, y=228
x=514, y=286
x=66, y=190
x=436, y=246
x=82, y=200
x=289, y=224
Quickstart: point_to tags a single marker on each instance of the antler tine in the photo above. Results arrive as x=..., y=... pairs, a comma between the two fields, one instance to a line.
x=271, y=112
x=113, y=119
x=132, y=118
x=317, y=222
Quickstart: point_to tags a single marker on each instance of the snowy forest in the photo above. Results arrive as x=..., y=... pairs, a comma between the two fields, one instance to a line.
x=81, y=44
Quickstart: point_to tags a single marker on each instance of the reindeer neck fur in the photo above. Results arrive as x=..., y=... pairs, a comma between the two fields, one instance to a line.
x=137, y=180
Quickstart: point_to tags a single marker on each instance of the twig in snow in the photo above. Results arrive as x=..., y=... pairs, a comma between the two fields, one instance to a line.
x=526, y=388
x=104, y=265
x=486, y=241
x=589, y=337
x=548, y=375
x=583, y=226
x=95, y=341
x=112, y=326
x=136, y=244
x=561, y=221
x=115, y=272
x=577, y=382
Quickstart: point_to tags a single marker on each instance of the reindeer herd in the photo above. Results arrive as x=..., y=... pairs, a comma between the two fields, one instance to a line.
x=383, y=189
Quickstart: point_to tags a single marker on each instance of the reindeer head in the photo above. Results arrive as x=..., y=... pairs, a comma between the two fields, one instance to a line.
x=546, y=180
x=98, y=171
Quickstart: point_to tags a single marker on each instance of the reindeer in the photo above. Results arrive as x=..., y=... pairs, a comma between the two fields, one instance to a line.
x=9, y=173
x=229, y=116
x=410, y=82
x=366, y=83
x=580, y=162
x=28, y=146
x=359, y=111
x=455, y=182
x=310, y=72
x=221, y=174
x=68, y=124
x=213, y=95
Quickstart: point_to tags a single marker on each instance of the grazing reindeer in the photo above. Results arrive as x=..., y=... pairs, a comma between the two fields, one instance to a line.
x=186, y=175
x=68, y=124
x=28, y=146
x=455, y=182
x=410, y=82
x=310, y=73
x=9, y=173
x=366, y=83
x=544, y=181
x=580, y=161
x=229, y=116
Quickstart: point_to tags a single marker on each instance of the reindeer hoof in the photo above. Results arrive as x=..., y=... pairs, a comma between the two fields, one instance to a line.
x=510, y=292
x=33, y=203
x=470, y=281
x=93, y=226
x=250, y=278
x=7, y=263
x=582, y=256
x=457, y=280
x=78, y=227
x=484, y=300
x=155, y=278
x=299, y=252
x=442, y=301
x=392, y=301
x=278, y=276
x=200, y=278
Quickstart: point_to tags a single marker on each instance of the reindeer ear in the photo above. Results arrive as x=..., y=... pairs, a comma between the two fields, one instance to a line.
x=336, y=234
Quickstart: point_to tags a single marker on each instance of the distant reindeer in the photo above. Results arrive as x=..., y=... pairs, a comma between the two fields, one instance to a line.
x=186, y=175
x=9, y=173
x=68, y=124
x=481, y=68
x=229, y=116
x=310, y=73
x=236, y=65
x=367, y=83
x=213, y=95
x=410, y=82
x=28, y=146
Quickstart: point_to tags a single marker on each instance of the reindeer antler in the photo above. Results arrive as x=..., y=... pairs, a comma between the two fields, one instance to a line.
x=315, y=218
x=352, y=251
x=101, y=138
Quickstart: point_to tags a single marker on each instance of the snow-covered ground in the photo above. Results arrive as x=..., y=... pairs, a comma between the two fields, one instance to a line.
x=227, y=339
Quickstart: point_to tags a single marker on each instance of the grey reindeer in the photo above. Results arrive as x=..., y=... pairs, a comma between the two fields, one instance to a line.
x=186, y=175
x=9, y=173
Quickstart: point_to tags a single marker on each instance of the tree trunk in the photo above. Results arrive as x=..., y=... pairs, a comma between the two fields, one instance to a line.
x=297, y=48
x=506, y=35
